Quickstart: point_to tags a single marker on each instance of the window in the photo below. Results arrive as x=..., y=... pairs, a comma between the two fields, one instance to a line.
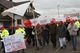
x=1, y=10
x=18, y=21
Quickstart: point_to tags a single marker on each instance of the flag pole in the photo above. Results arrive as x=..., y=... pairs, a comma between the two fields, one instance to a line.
x=12, y=23
x=35, y=26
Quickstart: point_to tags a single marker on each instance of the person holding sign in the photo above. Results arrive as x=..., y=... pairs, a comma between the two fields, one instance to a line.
x=20, y=30
x=4, y=33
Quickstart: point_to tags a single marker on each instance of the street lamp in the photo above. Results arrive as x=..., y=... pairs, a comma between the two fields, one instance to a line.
x=58, y=10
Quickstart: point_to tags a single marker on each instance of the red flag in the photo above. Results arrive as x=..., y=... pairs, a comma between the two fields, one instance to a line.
x=27, y=23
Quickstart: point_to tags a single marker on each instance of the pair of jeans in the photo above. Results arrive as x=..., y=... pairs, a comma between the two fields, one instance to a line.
x=62, y=41
x=33, y=40
x=74, y=41
x=3, y=47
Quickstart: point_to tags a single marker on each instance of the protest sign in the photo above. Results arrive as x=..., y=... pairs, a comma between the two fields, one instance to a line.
x=14, y=42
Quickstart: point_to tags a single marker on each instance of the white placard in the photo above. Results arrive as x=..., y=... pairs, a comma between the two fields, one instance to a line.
x=14, y=42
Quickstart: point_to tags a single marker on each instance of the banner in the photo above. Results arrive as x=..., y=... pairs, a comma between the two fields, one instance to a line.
x=34, y=22
x=14, y=42
x=43, y=21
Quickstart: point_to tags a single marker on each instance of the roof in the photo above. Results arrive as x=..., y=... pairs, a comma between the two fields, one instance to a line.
x=29, y=15
x=9, y=4
x=6, y=4
x=15, y=4
x=5, y=18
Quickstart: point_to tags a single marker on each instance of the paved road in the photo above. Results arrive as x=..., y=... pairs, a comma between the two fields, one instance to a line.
x=50, y=49
x=69, y=48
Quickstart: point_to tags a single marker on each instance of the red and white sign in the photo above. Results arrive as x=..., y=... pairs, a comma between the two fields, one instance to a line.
x=43, y=21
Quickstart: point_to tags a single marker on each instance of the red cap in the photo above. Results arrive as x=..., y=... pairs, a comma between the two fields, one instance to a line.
x=60, y=22
x=52, y=20
x=10, y=27
x=38, y=24
x=2, y=27
x=75, y=20
x=63, y=22
x=72, y=20
x=18, y=26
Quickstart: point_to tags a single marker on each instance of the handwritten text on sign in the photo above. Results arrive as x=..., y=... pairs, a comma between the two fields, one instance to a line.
x=14, y=42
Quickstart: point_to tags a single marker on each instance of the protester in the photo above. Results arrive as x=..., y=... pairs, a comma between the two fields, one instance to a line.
x=72, y=28
x=53, y=30
x=67, y=32
x=20, y=30
x=39, y=37
x=32, y=37
x=48, y=27
x=28, y=31
x=11, y=30
x=45, y=35
x=4, y=33
x=61, y=31
x=78, y=25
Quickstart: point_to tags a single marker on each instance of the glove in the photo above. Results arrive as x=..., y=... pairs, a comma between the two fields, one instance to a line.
x=3, y=35
x=21, y=31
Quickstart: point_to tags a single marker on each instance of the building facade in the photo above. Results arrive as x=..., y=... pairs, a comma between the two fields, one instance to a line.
x=17, y=20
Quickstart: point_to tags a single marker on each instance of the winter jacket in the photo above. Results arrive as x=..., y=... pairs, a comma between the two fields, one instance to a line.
x=61, y=31
x=72, y=29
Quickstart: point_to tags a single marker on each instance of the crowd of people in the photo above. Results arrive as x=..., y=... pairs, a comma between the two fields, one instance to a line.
x=61, y=31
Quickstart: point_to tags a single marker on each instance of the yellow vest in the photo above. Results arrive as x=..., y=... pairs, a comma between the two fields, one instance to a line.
x=77, y=23
x=57, y=25
x=4, y=32
x=20, y=30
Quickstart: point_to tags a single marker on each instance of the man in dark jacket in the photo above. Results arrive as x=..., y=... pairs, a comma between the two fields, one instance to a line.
x=61, y=31
x=45, y=35
x=28, y=31
x=11, y=30
x=53, y=28
x=67, y=32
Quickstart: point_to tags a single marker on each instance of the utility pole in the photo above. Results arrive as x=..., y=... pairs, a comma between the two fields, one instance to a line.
x=58, y=10
x=12, y=18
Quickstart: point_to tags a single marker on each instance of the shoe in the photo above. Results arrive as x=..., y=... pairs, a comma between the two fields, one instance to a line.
x=74, y=49
x=65, y=46
x=37, y=48
x=54, y=46
x=41, y=46
x=61, y=48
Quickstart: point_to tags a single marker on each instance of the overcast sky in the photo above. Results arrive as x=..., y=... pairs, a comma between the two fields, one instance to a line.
x=49, y=7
